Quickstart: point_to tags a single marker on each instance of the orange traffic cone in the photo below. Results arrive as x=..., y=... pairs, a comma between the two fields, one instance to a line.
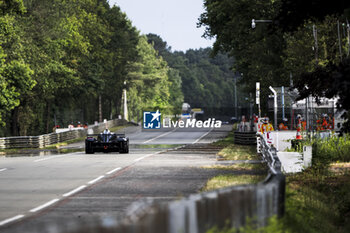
x=299, y=137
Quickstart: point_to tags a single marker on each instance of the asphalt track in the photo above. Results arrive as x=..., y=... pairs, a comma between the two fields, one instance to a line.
x=41, y=191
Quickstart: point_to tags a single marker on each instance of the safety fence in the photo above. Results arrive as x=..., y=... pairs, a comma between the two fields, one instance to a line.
x=48, y=139
x=228, y=207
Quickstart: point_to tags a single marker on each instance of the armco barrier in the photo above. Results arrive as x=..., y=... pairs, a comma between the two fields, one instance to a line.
x=52, y=138
x=231, y=206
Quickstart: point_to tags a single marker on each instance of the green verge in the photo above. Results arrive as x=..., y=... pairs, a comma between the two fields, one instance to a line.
x=65, y=143
x=318, y=199
x=227, y=180
x=231, y=151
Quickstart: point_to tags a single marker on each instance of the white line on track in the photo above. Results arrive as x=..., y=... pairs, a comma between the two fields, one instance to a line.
x=74, y=191
x=143, y=157
x=114, y=170
x=159, y=136
x=51, y=157
x=44, y=205
x=95, y=180
x=3, y=169
x=202, y=136
x=11, y=219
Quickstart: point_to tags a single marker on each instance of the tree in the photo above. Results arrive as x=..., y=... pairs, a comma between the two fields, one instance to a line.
x=148, y=83
x=15, y=74
x=258, y=51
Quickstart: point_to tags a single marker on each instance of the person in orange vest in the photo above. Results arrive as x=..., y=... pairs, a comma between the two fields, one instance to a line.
x=266, y=128
x=324, y=122
x=283, y=125
x=330, y=123
x=318, y=125
x=303, y=124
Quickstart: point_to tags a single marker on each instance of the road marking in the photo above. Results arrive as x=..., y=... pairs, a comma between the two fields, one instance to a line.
x=51, y=157
x=114, y=170
x=44, y=205
x=159, y=136
x=143, y=157
x=202, y=136
x=11, y=219
x=95, y=180
x=3, y=169
x=74, y=191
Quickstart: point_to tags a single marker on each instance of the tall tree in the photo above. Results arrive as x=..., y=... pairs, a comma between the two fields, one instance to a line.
x=15, y=74
x=257, y=51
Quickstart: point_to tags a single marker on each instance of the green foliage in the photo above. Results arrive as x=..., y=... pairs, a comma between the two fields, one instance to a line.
x=274, y=226
x=334, y=149
x=11, y=7
x=258, y=51
x=206, y=82
x=15, y=75
x=148, y=82
x=58, y=57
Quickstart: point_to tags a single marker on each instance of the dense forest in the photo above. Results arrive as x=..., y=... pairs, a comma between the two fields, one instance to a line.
x=69, y=61
x=207, y=82
x=302, y=44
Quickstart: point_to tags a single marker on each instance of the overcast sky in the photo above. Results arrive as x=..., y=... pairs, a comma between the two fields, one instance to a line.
x=174, y=20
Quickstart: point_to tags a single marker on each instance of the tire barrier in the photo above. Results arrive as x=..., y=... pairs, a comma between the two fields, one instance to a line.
x=48, y=139
x=245, y=138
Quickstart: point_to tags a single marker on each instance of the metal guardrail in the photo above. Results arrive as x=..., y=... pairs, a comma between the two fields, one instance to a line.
x=48, y=139
x=269, y=153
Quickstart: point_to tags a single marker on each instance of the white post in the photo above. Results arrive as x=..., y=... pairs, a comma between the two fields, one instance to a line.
x=258, y=97
x=125, y=104
x=274, y=106
x=307, y=156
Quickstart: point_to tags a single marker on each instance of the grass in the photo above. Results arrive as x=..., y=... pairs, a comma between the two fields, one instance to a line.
x=238, y=152
x=13, y=151
x=65, y=143
x=231, y=151
x=318, y=202
x=226, y=180
x=225, y=141
x=116, y=128
x=318, y=199
x=240, y=167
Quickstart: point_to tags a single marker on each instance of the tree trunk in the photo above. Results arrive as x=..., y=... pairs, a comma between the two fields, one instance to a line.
x=14, y=122
x=99, y=108
x=48, y=106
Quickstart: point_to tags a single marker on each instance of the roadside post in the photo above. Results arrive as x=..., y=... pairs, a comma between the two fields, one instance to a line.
x=257, y=94
x=274, y=106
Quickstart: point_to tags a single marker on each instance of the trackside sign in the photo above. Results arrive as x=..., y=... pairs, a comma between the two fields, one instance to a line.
x=192, y=123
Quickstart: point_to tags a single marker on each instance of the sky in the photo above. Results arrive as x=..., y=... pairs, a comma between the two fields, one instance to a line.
x=175, y=21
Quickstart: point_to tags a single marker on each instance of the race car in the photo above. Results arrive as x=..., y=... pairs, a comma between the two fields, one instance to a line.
x=106, y=142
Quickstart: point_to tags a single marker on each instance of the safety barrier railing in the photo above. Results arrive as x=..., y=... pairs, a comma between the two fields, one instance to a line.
x=53, y=138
